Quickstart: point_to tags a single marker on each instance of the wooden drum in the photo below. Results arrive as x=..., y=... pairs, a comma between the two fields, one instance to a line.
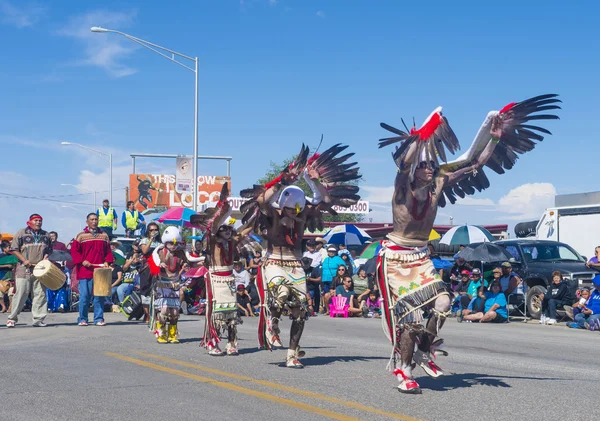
x=102, y=282
x=49, y=275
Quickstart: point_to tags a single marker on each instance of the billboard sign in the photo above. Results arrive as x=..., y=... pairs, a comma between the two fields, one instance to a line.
x=362, y=207
x=159, y=190
x=183, y=174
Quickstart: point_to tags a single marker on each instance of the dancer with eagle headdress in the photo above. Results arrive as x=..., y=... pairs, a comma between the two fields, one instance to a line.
x=281, y=211
x=221, y=303
x=408, y=281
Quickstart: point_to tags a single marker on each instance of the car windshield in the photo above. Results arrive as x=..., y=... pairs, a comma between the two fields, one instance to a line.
x=550, y=252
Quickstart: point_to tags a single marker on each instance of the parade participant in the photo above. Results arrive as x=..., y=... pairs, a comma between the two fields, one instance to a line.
x=107, y=218
x=30, y=245
x=282, y=211
x=90, y=249
x=221, y=303
x=407, y=278
x=132, y=220
x=57, y=299
x=147, y=246
x=166, y=264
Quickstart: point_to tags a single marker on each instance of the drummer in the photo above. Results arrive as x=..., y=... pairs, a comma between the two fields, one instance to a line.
x=90, y=249
x=30, y=245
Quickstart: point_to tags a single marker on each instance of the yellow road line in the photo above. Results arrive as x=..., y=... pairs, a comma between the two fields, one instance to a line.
x=225, y=385
x=285, y=388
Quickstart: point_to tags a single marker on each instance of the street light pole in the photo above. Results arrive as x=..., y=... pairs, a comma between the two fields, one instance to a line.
x=161, y=51
x=101, y=153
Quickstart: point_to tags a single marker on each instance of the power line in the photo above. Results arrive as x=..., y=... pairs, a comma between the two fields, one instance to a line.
x=43, y=199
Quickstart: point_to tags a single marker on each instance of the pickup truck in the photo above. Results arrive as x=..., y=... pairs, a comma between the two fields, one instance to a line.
x=535, y=260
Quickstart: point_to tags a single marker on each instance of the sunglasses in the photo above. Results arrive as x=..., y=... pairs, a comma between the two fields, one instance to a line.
x=153, y=230
x=341, y=270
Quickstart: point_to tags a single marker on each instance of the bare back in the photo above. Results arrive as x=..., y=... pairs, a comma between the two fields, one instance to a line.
x=281, y=238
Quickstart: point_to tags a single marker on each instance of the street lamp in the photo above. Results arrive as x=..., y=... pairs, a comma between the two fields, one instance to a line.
x=82, y=188
x=155, y=48
x=110, y=165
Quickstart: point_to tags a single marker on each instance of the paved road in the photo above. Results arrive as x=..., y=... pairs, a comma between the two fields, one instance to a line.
x=501, y=372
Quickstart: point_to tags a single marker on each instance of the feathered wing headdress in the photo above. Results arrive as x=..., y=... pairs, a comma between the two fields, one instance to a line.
x=436, y=134
x=334, y=174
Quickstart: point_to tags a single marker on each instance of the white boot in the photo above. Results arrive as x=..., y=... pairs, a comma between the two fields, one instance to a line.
x=292, y=360
x=407, y=383
x=427, y=364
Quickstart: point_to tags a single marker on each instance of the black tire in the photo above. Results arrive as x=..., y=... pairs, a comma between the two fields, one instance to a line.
x=534, y=302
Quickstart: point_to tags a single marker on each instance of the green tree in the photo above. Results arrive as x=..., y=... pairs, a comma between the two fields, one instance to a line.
x=275, y=169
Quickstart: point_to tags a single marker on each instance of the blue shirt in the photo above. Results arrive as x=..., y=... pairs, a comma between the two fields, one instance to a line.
x=342, y=291
x=594, y=302
x=329, y=267
x=500, y=299
x=124, y=217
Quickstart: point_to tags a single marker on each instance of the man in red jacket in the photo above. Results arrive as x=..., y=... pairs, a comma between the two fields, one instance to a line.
x=90, y=249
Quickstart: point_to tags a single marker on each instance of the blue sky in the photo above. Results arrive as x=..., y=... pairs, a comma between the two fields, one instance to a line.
x=274, y=74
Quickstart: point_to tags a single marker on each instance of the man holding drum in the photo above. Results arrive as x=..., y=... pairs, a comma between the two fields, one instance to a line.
x=90, y=250
x=30, y=245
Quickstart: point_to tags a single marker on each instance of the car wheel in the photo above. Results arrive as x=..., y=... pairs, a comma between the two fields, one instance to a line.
x=534, y=301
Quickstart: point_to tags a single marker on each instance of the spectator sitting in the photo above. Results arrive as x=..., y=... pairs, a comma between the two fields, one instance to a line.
x=590, y=314
x=557, y=296
x=457, y=269
x=362, y=285
x=347, y=290
x=494, y=310
x=510, y=281
x=371, y=307
x=243, y=302
x=337, y=281
x=462, y=290
x=580, y=304
x=242, y=277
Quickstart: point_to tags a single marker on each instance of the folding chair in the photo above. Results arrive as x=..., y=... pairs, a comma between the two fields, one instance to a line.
x=518, y=303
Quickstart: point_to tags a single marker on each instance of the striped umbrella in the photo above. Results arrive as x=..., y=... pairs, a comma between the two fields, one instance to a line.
x=347, y=234
x=466, y=234
x=176, y=216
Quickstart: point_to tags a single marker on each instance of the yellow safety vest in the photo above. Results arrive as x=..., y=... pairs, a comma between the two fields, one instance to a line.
x=131, y=220
x=106, y=220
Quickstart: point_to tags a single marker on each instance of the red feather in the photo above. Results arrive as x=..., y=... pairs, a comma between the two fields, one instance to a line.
x=427, y=130
x=507, y=107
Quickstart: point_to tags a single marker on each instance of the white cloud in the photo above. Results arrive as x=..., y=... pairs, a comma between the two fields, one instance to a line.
x=375, y=194
x=524, y=202
x=272, y=2
x=106, y=51
x=21, y=17
x=321, y=14
x=527, y=201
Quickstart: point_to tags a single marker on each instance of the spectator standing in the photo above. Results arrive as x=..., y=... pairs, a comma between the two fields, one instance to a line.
x=91, y=248
x=132, y=220
x=30, y=245
x=242, y=277
x=320, y=247
x=345, y=255
x=7, y=265
x=107, y=218
x=329, y=268
x=117, y=279
x=593, y=263
x=312, y=253
x=557, y=296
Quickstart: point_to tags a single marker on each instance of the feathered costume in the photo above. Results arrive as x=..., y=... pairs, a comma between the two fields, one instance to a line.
x=407, y=279
x=221, y=309
x=280, y=212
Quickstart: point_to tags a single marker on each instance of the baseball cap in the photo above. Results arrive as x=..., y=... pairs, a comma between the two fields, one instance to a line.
x=332, y=248
x=506, y=265
x=240, y=287
x=465, y=272
x=476, y=271
x=311, y=243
